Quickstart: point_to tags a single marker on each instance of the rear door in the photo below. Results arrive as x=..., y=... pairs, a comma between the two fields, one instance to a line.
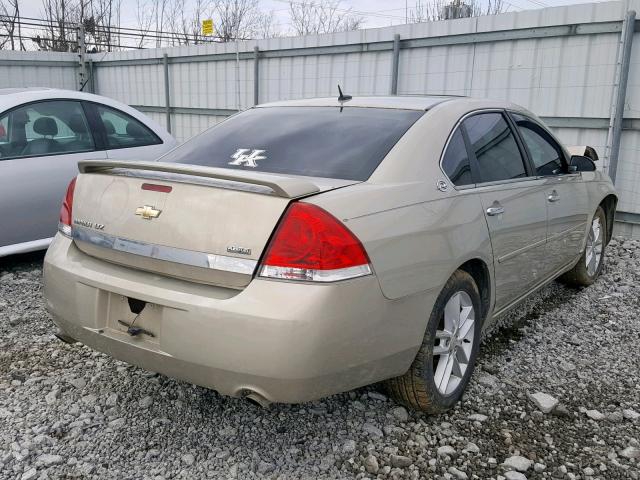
x=39, y=154
x=513, y=202
x=566, y=193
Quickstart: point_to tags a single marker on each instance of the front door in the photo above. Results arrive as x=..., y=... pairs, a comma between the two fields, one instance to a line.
x=39, y=154
x=513, y=202
x=565, y=194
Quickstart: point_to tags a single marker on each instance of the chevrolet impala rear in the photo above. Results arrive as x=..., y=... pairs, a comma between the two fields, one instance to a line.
x=220, y=265
x=310, y=247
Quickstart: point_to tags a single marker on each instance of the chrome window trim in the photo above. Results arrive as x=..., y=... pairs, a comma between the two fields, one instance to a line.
x=453, y=130
x=509, y=182
x=193, y=258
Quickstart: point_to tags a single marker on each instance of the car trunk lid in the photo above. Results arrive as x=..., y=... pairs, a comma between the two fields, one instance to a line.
x=202, y=224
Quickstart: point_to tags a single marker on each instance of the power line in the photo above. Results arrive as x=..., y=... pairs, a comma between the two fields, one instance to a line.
x=102, y=35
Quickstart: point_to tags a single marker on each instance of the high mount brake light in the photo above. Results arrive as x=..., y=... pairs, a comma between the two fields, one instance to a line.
x=66, y=210
x=310, y=244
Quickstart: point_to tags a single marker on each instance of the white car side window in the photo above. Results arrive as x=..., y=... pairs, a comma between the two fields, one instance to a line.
x=44, y=128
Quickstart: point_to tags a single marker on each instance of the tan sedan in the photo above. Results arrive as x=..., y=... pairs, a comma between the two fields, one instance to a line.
x=304, y=248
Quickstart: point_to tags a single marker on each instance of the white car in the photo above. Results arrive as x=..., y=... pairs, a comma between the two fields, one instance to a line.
x=43, y=134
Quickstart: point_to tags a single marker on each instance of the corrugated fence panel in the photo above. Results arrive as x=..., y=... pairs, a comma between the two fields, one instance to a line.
x=131, y=84
x=38, y=69
x=188, y=125
x=628, y=177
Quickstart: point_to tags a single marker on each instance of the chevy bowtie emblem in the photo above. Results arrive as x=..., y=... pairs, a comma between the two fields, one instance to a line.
x=148, y=212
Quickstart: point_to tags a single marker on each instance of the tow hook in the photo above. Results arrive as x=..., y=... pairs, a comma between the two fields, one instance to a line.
x=135, y=331
x=136, y=306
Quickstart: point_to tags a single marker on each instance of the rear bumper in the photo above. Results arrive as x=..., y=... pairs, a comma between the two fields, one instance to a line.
x=288, y=342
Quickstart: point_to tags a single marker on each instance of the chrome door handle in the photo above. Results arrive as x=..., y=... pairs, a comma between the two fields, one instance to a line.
x=493, y=211
x=553, y=197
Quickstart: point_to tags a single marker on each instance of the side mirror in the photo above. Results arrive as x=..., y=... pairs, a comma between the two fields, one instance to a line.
x=580, y=163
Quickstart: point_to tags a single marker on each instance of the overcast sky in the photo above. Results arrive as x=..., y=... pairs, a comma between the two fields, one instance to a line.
x=377, y=13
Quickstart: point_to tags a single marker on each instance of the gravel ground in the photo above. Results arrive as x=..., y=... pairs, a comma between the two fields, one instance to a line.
x=69, y=412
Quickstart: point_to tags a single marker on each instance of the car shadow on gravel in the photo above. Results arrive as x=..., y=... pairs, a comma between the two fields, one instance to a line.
x=21, y=262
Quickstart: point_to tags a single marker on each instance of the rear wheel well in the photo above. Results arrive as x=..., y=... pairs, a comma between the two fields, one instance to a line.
x=480, y=273
x=608, y=204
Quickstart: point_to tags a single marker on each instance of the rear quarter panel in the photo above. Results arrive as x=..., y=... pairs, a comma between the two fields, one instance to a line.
x=413, y=246
x=415, y=234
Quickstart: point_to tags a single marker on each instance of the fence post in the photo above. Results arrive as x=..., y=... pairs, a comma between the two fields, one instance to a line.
x=616, y=123
x=167, y=99
x=92, y=83
x=82, y=66
x=394, y=64
x=256, y=75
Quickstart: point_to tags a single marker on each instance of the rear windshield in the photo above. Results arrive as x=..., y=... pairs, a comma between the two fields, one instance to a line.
x=347, y=143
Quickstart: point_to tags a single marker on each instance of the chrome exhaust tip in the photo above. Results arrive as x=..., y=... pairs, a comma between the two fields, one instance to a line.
x=257, y=399
x=63, y=337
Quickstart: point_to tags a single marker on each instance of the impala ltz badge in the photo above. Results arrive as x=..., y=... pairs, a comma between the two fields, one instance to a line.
x=87, y=224
x=247, y=157
x=240, y=250
x=148, y=212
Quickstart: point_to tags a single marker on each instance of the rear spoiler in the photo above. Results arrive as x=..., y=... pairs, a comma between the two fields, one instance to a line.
x=288, y=187
x=583, y=151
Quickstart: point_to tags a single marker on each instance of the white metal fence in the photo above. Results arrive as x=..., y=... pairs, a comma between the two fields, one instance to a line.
x=564, y=63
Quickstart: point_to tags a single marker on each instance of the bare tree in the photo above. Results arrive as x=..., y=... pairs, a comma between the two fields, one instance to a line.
x=236, y=18
x=143, y=19
x=450, y=9
x=187, y=24
x=10, y=25
x=64, y=18
x=56, y=35
x=311, y=16
x=266, y=26
x=179, y=22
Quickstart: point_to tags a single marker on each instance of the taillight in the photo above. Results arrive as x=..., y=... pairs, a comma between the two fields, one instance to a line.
x=312, y=245
x=66, y=211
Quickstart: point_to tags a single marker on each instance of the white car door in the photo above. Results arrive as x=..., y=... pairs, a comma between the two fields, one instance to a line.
x=40, y=146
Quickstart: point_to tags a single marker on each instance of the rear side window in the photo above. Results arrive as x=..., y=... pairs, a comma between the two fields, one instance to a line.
x=545, y=153
x=124, y=131
x=344, y=143
x=456, y=161
x=495, y=147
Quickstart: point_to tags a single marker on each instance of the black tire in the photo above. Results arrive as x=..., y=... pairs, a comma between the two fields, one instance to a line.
x=579, y=275
x=416, y=388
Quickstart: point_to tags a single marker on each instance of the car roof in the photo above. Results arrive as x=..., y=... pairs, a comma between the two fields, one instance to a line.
x=386, y=101
x=14, y=97
x=406, y=102
x=17, y=96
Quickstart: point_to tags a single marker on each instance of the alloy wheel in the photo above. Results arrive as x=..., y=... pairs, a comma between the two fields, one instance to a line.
x=453, y=343
x=593, y=253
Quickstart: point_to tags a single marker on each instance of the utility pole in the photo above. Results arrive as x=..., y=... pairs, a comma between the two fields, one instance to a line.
x=19, y=26
x=82, y=51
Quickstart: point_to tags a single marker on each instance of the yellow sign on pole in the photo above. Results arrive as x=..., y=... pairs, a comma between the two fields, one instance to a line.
x=207, y=27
